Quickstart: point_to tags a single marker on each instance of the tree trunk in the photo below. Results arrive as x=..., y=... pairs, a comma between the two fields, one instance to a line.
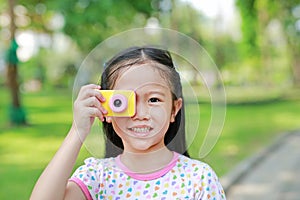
x=296, y=69
x=16, y=112
x=13, y=84
x=294, y=60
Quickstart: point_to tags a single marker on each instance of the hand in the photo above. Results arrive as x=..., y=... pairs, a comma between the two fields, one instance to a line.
x=87, y=107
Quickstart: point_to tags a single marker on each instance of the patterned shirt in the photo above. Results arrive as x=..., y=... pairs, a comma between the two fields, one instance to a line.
x=182, y=178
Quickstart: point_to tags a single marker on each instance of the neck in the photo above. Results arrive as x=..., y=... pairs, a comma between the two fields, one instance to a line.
x=144, y=163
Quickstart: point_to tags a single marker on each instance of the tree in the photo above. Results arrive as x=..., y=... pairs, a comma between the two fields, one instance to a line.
x=17, y=114
x=289, y=14
x=248, y=12
x=256, y=16
x=89, y=22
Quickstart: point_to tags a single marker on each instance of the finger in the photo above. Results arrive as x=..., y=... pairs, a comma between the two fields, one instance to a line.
x=91, y=102
x=94, y=93
x=97, y=93
x=98, y=105
x=94, y=102
x=95, y=112
x=101, y=108
x=88, y=91
x=92, y=86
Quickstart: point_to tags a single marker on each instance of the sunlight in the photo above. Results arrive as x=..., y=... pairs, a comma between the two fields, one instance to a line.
x=214, y=8
x=27, y=46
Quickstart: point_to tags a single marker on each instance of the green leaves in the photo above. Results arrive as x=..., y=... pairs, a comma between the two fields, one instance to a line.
x=89, y=22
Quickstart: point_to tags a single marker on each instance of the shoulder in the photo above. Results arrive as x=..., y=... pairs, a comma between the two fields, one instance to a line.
x=193, y=163
x=207, y=182
x=96, y=162
x=95, y=166
x=197, y=169
x=88, y=176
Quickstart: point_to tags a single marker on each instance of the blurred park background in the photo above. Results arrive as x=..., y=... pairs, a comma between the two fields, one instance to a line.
x=255, y=45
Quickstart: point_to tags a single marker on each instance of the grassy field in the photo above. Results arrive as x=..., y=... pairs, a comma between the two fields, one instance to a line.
x=26, y=150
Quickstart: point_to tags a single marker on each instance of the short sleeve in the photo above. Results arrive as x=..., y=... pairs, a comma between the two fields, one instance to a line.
x=87, y=177
x=211, y=186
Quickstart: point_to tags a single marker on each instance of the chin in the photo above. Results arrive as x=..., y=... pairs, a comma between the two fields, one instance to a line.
x=146, y=147
x=142, y=148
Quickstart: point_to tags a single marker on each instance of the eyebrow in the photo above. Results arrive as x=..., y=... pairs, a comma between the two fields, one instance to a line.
x=156, y=92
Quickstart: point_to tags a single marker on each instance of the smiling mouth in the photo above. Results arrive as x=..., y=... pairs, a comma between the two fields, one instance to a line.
x=140, y=129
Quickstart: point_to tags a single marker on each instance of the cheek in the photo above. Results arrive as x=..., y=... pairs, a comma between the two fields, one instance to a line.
x=160, y=115
x=163, y=111
x=158, y=112
x=119, y=125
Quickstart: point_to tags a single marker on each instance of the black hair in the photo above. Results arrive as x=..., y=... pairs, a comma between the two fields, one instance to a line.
x=175, y=136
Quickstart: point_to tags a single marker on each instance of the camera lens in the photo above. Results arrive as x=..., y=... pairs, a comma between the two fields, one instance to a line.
x=117, y=103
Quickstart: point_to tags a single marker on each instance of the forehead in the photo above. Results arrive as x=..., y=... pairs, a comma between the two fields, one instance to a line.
x=139, y=75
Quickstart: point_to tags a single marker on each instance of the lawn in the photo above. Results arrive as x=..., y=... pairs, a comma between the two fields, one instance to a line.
x=26, y=150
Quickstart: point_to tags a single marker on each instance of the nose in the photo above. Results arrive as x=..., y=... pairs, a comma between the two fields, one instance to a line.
x=142, y=111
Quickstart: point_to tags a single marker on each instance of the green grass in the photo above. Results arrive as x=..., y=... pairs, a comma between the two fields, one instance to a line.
x=250, y=128
x=26, y=150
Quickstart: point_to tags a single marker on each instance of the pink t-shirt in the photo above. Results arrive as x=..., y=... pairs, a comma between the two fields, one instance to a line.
x=182, y=178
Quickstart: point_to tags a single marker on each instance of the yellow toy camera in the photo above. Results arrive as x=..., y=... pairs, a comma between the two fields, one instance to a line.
x=119, y=103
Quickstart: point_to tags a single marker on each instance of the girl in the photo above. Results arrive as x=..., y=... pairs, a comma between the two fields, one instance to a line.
x=146, y=154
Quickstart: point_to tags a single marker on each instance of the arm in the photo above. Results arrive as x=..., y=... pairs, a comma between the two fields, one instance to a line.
x=53, y=183
x=73, y=192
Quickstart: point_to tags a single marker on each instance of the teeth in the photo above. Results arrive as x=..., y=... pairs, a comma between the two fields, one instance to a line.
x=141, y=130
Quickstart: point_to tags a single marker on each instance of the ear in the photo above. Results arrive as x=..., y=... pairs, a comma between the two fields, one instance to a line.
x=177, y=104
x=108, y=119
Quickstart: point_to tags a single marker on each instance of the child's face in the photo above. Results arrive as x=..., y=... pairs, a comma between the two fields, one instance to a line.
x=155, y=109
